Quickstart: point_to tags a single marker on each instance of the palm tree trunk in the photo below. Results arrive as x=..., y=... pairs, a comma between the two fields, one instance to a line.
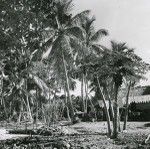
x=2, y=98
x=127, y=106
x=20, y=113
x=93, y=108
x=37, y=105
x=119, y=126
x=28, y=104
x=86, y=93
x=1, y=88
x=66, y=104
x=68, y=90
x=82, y=92
x=5, y=110
x=116, y=113
x=110, y=104
x=44, y=114
x=105, y=108
x=29, y=109
x=54, y=110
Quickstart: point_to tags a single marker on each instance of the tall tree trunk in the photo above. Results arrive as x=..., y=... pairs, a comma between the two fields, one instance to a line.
x=119, y=126
x=66, y=104
x=110, y=103
x=28, y=104
x=2, y=98
x=116, y=113
x=126, y=107
x=44, y=114
x=20, y=113
x=68, y=90
x=1, y=88
x=82, y=92
x=86, y=92
x=105, y=108
x=37, y=105
x=5, y=110
x=54, y=109
x=93, y=108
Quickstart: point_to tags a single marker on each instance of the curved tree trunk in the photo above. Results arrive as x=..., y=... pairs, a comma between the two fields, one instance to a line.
x=116, y=114
x=70, y=105
x=126, y=107
x=105, y=108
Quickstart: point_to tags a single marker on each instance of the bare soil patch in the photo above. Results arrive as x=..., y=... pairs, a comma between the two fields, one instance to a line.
x=86, y=135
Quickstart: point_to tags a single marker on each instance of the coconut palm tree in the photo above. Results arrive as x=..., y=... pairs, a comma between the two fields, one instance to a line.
x=115, y=64
x=64, y=32
x=122, y=63
x=90, y=46
x=98, y=71
x=119, y=68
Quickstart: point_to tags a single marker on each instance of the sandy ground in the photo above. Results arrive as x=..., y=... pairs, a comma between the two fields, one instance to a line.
x=101, y=127
x=96, y=137
x=92, y=135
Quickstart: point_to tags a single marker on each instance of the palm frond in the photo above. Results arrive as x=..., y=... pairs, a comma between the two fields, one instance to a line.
x=99, y=49
x=75, y=31
x=48, y=46
x=41, y=84
x=61, y=44
x=88, y=25
x=65, y=45
x=48, y=33
x=46, y=54
x=63, y=6
x=118, y=47
x=54, y=51
x=99, y=34
x=78, y=47
x=68, y=5
x=48, y=42
x=80, y=17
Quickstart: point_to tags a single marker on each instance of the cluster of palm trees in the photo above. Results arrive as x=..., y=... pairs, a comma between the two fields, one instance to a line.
x=45, y=48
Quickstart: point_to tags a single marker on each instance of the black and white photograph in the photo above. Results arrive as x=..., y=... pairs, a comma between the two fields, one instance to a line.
x=74, y=74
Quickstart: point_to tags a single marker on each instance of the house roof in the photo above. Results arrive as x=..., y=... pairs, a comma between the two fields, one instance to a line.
x=135, y=96
x=138, y=99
